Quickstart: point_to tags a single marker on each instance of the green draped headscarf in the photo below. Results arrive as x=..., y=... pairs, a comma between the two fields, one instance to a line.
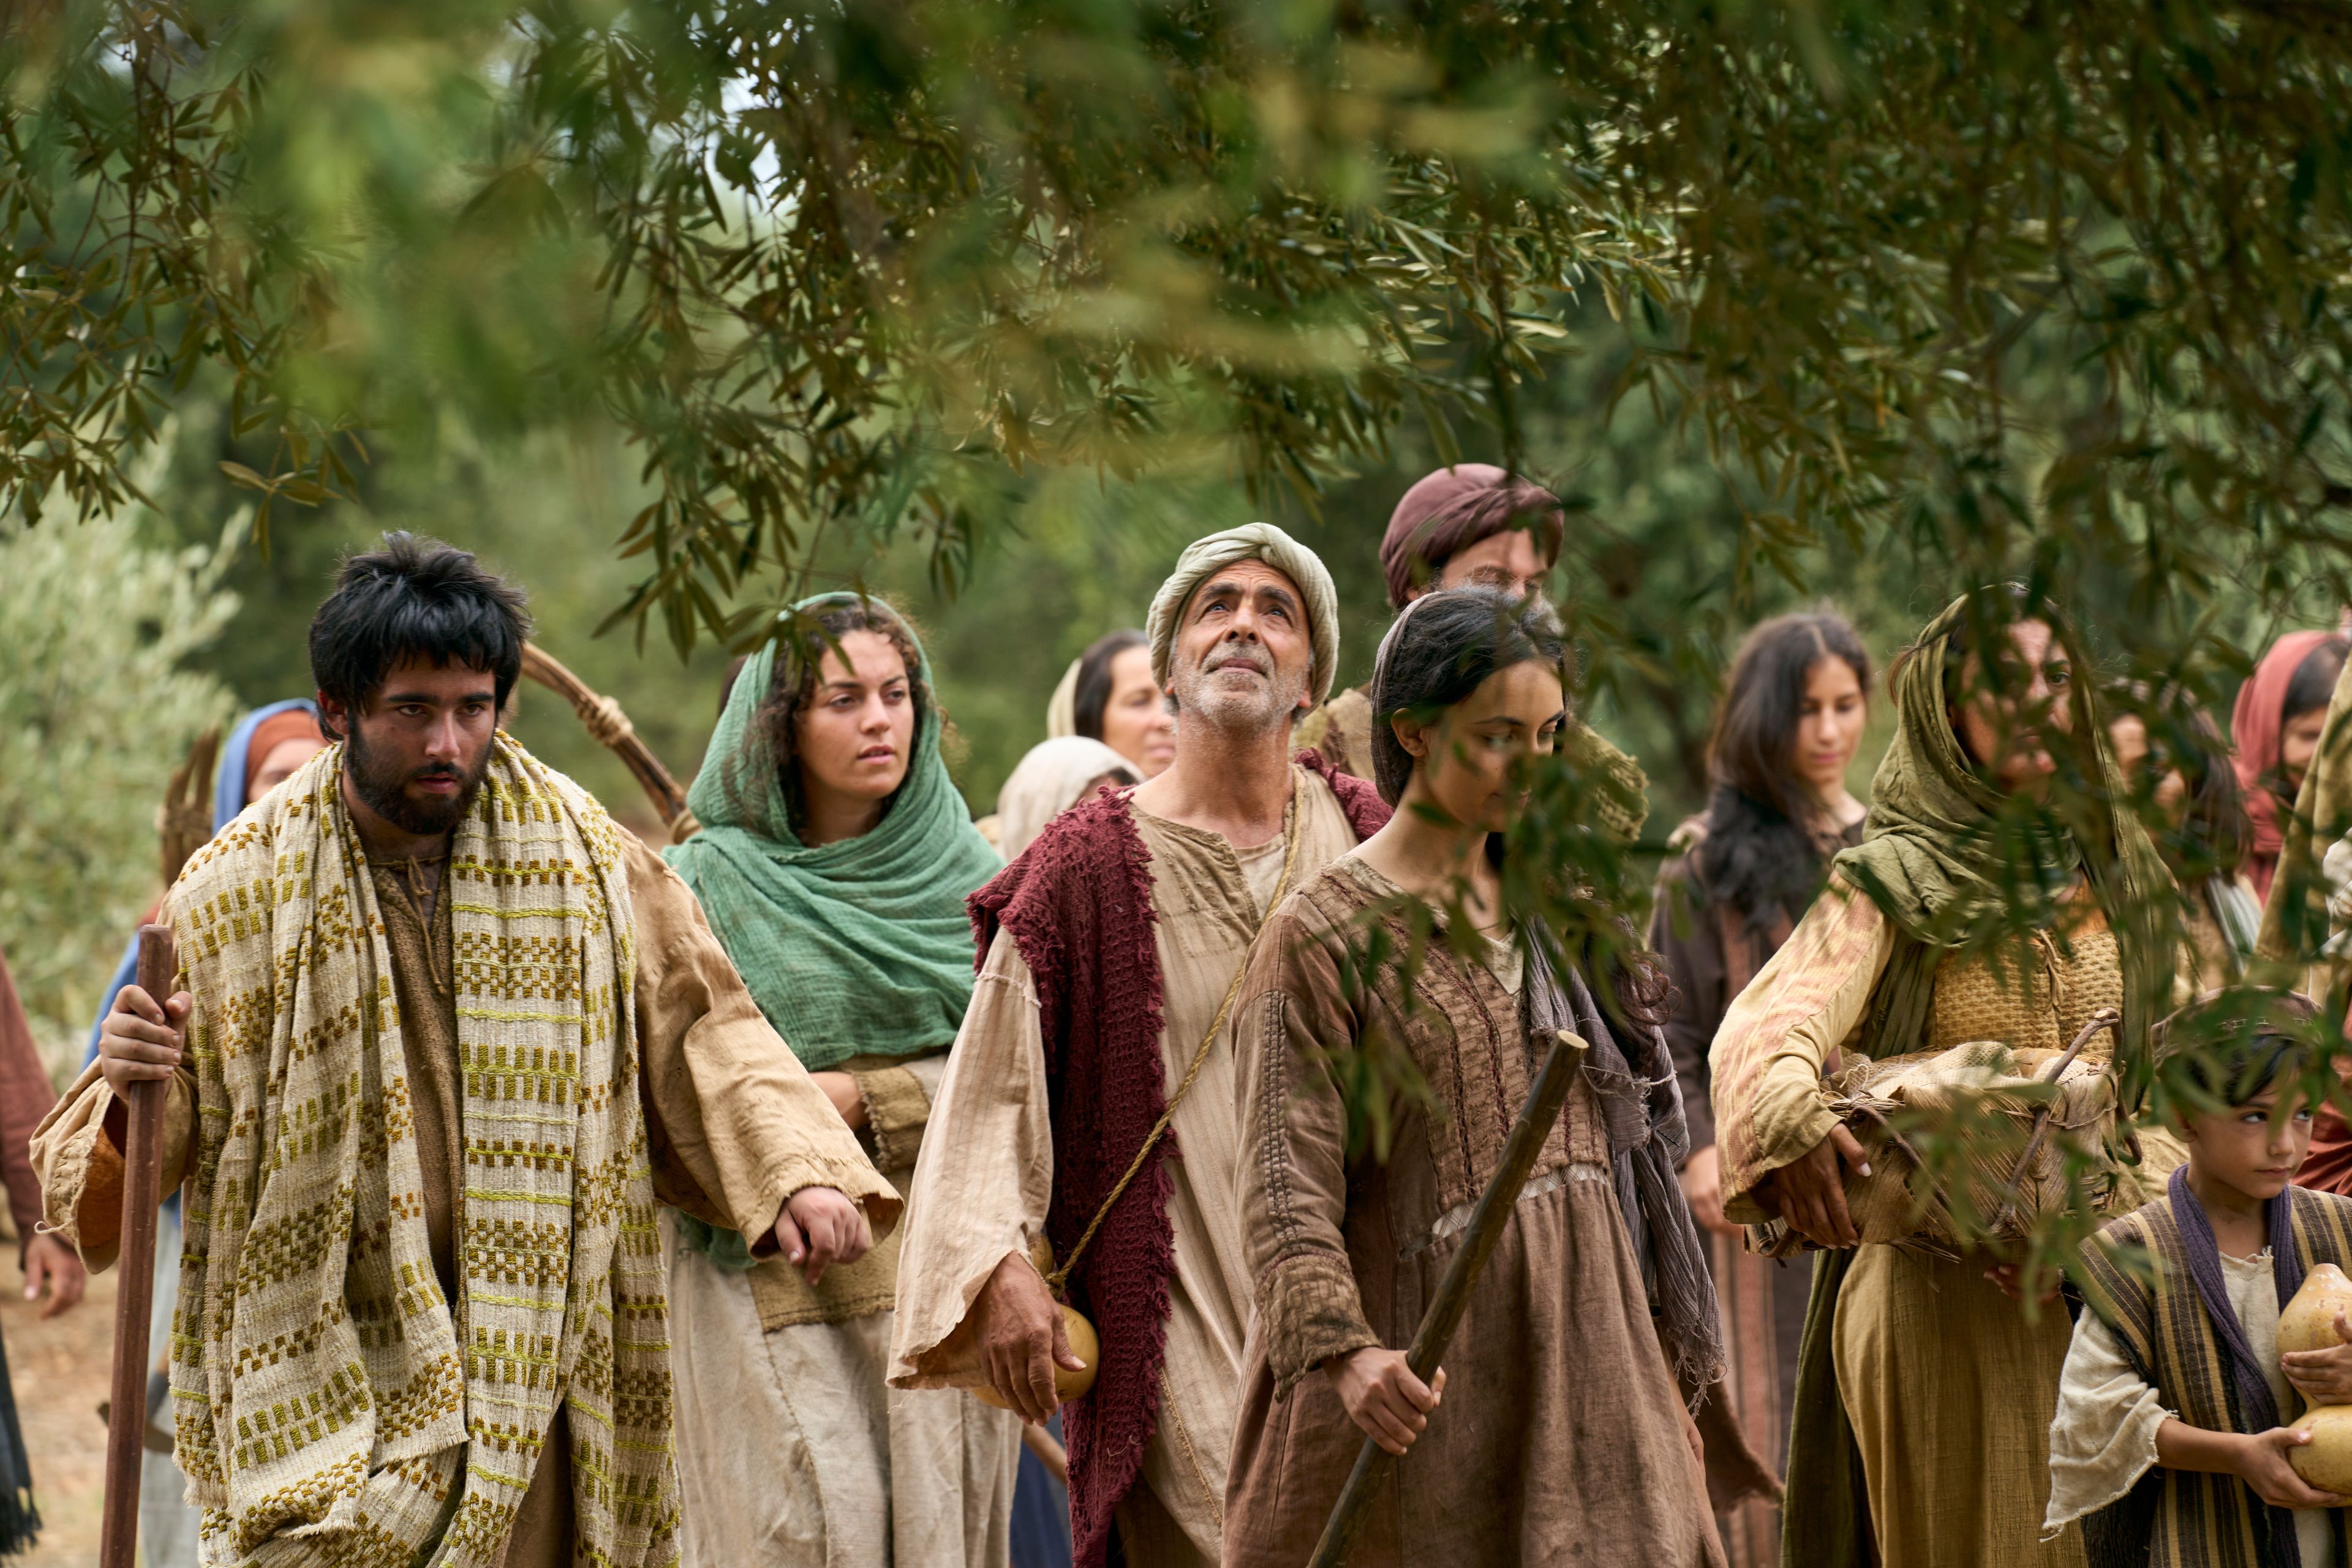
x=855, y=948
x=1939, y=862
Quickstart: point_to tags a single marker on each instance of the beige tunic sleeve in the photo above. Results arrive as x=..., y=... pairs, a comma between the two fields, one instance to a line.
x=735, y=1125
x=2103, y=1438
x=983, y=1181
x=1294, y=1021
x=1767, y=1054
x=898, y=1100
x=80, y=1164
x=80, y=1168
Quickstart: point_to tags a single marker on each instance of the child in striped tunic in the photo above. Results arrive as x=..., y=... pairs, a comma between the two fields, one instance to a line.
x=2171, y=1441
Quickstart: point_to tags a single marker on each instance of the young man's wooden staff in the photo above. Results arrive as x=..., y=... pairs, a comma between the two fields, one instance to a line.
x=142, y=1180
x=611, y=727
x=1374, y=1463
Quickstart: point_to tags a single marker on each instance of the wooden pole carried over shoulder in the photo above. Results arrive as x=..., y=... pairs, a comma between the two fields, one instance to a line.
x=612, y=729
x=1374, y=1463
x=142, y=1195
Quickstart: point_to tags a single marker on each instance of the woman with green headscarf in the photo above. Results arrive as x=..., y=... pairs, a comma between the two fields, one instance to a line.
x=834, y=862
x=1976, y=908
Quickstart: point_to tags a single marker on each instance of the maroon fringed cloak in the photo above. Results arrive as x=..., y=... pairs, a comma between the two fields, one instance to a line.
x=1078, y=904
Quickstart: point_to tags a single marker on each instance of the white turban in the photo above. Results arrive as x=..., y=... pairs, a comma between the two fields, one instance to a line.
x=1204, y=558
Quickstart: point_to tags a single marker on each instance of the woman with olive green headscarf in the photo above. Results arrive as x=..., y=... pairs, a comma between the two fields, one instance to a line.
x=834, y=862
x=1975, y=909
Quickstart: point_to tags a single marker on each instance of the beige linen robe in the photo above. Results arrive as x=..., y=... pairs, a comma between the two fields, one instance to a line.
x=1948, y=1385
x=733, y=1125
x=1558, y=1437
x=986, y=1177
x=792, y=1452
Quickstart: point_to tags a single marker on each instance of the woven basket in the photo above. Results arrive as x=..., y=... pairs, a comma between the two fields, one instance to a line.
x=1992, y=1189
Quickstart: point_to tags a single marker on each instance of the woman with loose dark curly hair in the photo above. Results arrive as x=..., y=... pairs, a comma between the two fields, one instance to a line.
x=834, y=862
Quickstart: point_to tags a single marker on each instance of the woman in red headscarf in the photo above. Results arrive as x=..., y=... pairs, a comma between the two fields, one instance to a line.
x=2275, y=726
x=2289, y=691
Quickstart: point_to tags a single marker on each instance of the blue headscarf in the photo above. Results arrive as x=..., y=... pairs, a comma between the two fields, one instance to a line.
x=229, y=799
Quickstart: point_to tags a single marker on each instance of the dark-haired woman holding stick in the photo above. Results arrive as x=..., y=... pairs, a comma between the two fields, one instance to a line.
x=1745, y=872
x=1555, y=1425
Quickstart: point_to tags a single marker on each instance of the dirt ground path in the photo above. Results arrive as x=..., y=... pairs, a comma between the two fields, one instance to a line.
x=58, y=1369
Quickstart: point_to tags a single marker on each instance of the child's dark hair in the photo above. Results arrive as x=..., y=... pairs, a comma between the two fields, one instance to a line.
x=1452, y=642
x=415, y=599
x=2244, y=1041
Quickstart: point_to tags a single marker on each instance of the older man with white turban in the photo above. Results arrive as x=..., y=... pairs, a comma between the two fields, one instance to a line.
x=1091, y=1102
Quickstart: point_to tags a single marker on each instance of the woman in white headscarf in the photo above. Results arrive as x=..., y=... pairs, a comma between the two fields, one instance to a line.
x=1054, y=777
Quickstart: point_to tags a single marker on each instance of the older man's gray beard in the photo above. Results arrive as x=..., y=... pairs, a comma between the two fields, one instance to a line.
x=1255, y=709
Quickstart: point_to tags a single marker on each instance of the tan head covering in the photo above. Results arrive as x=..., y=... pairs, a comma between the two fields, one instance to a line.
x=291, y=723
x=1204, y=558
x=1048, y=784
x=1061, y=708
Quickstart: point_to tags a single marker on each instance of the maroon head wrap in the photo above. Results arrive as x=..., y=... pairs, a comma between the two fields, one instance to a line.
x=1456, y=508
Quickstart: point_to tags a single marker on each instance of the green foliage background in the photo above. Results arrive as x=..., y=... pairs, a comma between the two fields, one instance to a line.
x=100, y=693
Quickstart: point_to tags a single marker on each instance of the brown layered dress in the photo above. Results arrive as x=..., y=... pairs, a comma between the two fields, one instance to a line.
x=1558, y=1440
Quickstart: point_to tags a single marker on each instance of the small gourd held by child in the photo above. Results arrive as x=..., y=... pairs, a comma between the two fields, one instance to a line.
x=2211, y=1315
x=2308, y=1323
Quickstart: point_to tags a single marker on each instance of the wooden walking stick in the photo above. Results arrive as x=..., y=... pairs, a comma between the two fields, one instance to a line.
x=612, y=729
x=142, y=1182
x=1373, y=1463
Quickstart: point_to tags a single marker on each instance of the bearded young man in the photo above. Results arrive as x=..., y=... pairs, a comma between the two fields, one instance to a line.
x=449, y=1034
x=1109, y=953
x=1475, y=525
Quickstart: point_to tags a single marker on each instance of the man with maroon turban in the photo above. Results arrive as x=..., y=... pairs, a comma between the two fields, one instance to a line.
x=1474, y=523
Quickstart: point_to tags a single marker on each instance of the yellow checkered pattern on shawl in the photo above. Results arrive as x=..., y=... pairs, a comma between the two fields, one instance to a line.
x=333, y=1407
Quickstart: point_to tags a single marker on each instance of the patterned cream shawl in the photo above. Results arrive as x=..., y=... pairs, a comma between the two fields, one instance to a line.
x=326, y=1411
